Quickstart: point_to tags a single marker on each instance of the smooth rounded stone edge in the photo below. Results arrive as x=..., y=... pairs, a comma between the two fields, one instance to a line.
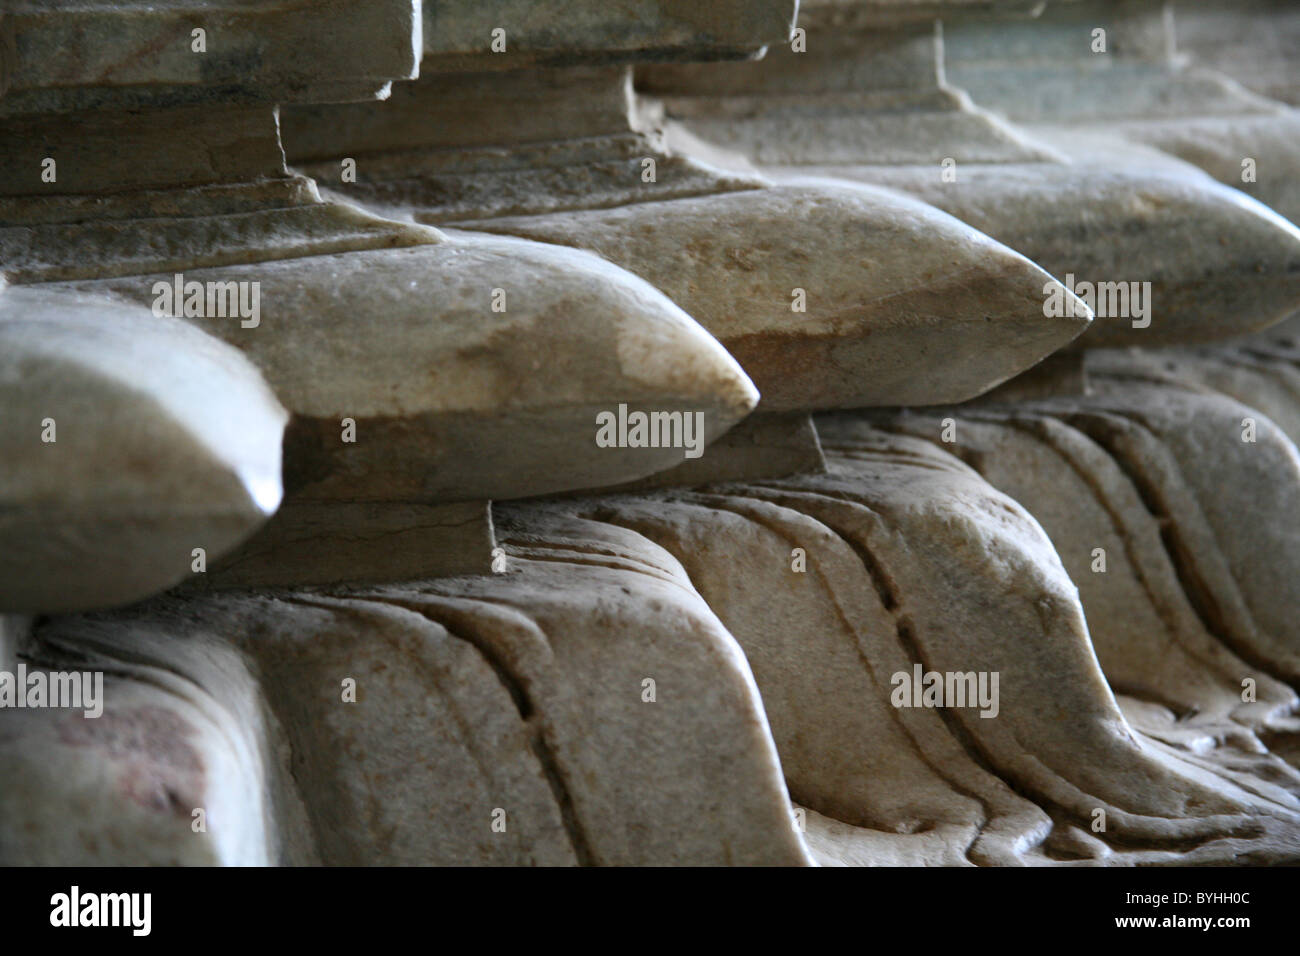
x=131, y=440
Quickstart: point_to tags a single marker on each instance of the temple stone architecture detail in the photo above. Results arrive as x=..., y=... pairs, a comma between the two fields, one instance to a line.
x=1250, y=41
x=760, y=432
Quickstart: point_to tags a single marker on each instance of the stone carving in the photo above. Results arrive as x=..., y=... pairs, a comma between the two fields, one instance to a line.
x=1129, y=448
x=1143, y=90
x=1250, y=41
x=983, y=579
x=832, y=306
x=130, y=440
x=454, y=416
x=871, y=104
x=455, y=401
x=518, y=698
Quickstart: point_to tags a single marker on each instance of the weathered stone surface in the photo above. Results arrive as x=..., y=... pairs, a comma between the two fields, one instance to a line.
x=331, y=542
x=581, y=703
x=901, y=304
x=858, y=93
x=470, y=403
x=1174, y=519
x=1120, y=224
x=1062, y=373
x=762, y=446
x=459, y=36
x=1222, y=145
x=905, y=305
x=51, y=239
x=890, y=536
x=530, y=692
x=1224, y=499
x=69, y=54
x=495, y=354
x=1057, y=64
x=1253, y=41
x=105, y=152
x=129, y=440
x=182, y=730
x=1146, y=614
x=1258, y=371
x=1136, y=766
x=522, y=692
x=1046, y=74
x=1219, y=264
x=822, y=645
x=481, y=145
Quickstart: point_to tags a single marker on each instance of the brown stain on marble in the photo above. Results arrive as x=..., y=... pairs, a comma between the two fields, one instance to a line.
x=158, y=767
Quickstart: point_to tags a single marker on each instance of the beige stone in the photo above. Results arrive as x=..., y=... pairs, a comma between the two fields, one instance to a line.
x=1224, y=498
x=481, y=402
x=459, y=36
x=1136, y=766
x=522, y=692
x=69, y=54
x=450, y=400
x=762, y=446
x=1119, y=224
x=182, y=730
x=556, y=682
x=875, y=108
x=1044, y=73
x=333, y=542
x=889, y=536
x=1253, y=41
x=1146, y=613
x=823, y=645
x=1258, y=371
x=479, y=145
x=900, y=304
x=129, y=440
x=493, y=358
x=471, y=403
